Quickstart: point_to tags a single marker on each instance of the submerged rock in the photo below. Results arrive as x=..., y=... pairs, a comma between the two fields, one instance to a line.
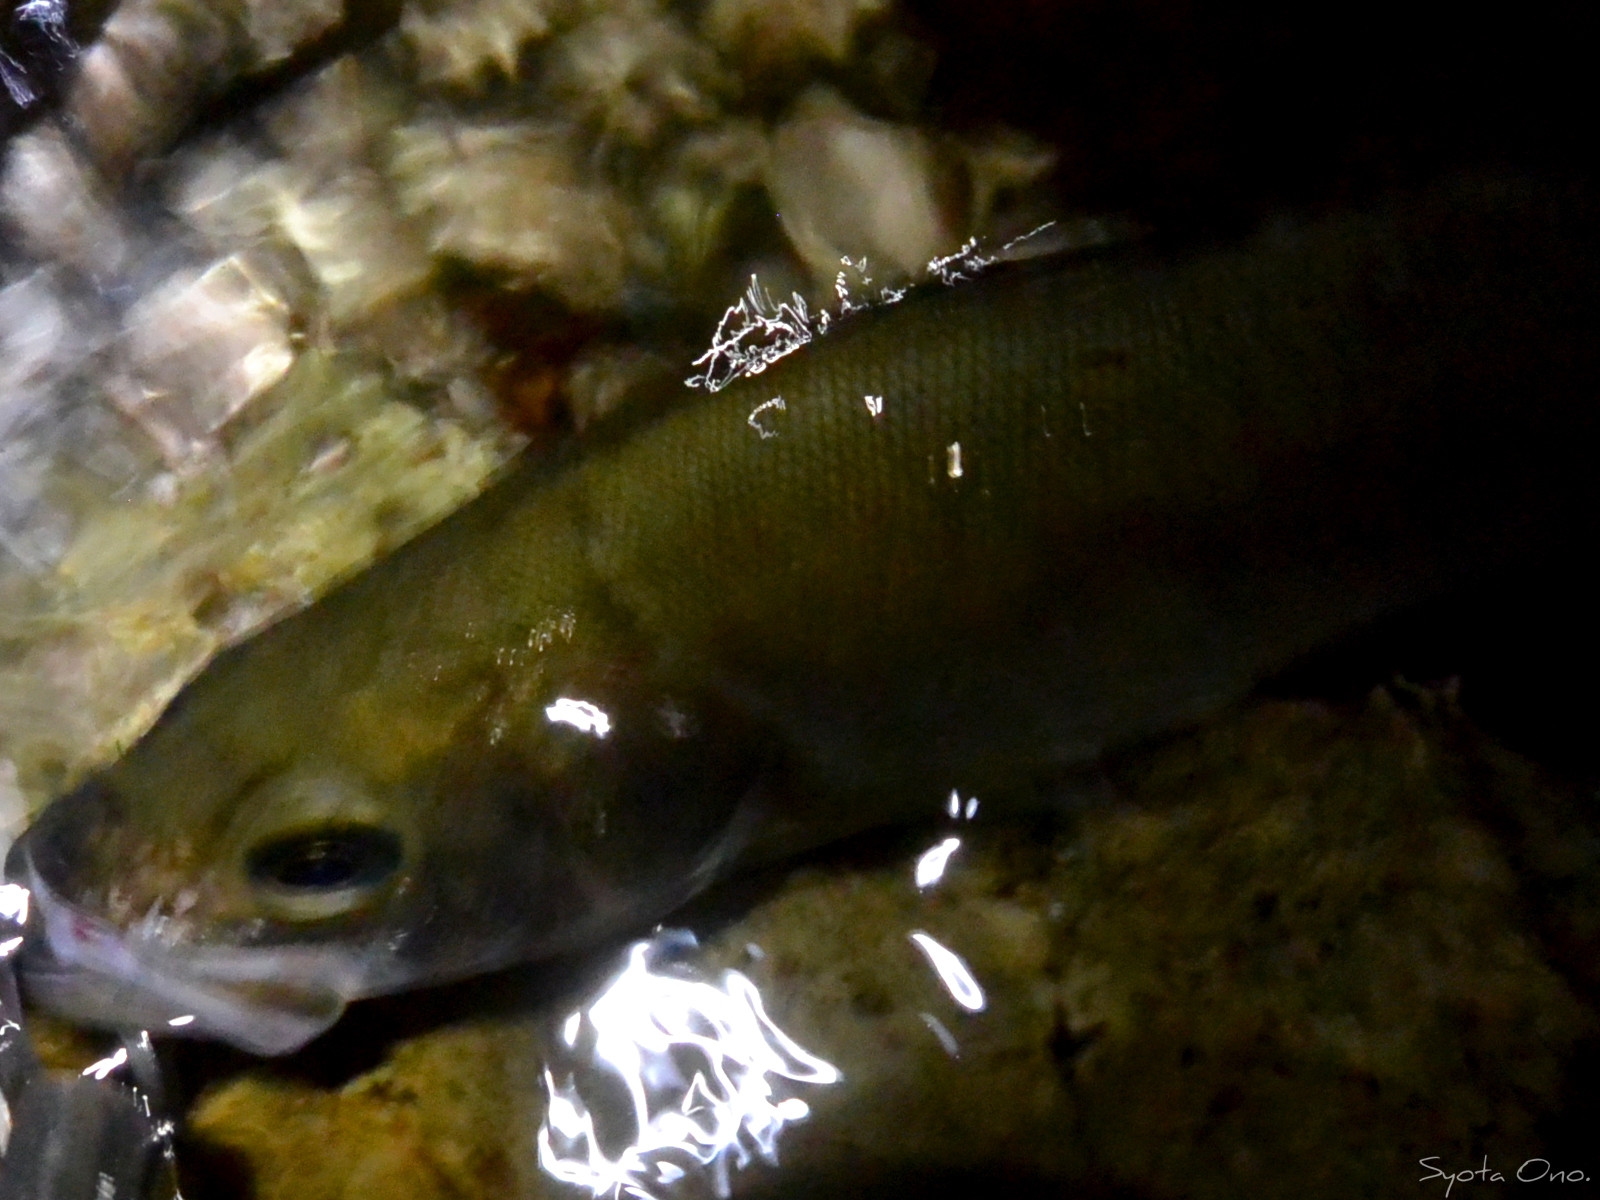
x=1294, y=955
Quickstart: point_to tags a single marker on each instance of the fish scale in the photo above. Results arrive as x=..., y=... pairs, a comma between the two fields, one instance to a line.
x=605, y=683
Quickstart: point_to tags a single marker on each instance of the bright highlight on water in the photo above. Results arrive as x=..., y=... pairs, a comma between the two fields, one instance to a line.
x=954, y=809
x=646, y=1031
x=952, y=971
x=14, y=899
x=931, y=863
x=580, y=714
x=103, y=1068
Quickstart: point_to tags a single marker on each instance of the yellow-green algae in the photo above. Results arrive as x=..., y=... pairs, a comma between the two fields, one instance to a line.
x=1298, y=952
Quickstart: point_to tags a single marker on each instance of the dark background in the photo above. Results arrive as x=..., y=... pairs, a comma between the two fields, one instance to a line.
x=1201, y=114
x=1201, y=120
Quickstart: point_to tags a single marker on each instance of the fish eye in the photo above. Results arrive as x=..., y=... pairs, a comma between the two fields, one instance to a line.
x=323, y=870
x=336, y=856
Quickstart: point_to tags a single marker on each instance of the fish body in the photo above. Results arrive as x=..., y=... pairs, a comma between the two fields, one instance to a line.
x=970, y=540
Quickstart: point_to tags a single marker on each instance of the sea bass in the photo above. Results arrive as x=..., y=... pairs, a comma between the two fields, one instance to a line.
x=971, y=541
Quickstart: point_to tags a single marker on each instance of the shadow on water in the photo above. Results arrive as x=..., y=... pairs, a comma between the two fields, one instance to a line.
x=1522, y=651
x=1195, y=115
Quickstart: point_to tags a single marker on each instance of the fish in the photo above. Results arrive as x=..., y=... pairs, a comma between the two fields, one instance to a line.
x=972, y=540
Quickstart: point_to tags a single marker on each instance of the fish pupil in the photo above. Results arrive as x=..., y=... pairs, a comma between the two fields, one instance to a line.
x=345, y=856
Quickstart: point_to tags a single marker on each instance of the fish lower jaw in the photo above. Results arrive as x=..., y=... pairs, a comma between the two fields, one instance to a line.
x=178, y=1008
x=264, y=1000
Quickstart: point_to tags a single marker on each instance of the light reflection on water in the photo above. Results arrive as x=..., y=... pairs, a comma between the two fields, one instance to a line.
x=698, y=1063
x=932, y=862
x=665, y=1078
x=956, y=809
x=953, y=972
x=580, y=714
x=14, y=903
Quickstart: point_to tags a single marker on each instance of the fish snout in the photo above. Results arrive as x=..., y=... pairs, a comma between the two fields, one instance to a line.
x=94, y=850
x=66, y=843
x=117, y=937
x=85, y=968
x=130, y=994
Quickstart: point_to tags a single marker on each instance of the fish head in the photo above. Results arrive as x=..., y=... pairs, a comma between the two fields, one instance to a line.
x=221, y=932
x=257, y=862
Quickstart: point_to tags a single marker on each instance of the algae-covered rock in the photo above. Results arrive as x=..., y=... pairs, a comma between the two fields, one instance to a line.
x=1297, y=953
x=451, y=1114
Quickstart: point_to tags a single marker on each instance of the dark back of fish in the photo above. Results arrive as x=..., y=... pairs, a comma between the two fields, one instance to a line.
x=1174, y=479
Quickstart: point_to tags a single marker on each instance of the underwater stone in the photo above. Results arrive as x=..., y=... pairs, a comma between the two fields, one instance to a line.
x=277, y=28
x=632, y=69
x=848, y=185
x=463, y=43
x=338, y=118
x=59, y=205
x=768, y=31
x=360, y=249
x=510, y=197
x=198, y=349
x=153, y=61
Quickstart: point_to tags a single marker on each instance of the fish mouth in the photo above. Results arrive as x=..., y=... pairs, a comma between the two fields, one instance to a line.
x=268, y=1000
